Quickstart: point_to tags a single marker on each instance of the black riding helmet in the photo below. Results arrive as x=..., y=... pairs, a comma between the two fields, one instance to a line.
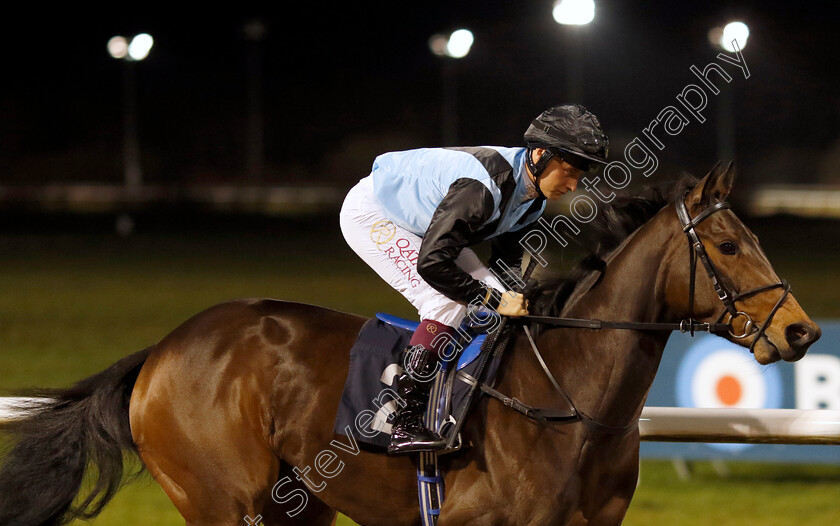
x=568, y=131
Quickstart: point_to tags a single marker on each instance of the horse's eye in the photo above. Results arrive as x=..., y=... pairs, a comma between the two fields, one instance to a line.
x=729, y=248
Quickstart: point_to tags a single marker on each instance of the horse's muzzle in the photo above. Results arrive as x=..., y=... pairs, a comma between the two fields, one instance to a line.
x=799, y=337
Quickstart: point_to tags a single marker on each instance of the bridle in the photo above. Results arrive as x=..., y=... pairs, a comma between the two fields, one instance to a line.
x=696, y=250
x=724, y=292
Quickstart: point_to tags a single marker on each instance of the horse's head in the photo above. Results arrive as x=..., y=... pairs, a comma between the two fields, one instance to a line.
x=733, y=281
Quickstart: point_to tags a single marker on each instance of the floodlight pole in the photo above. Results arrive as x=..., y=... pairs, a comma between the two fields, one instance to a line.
x=574, y=15
x=726, y=124
x=450, y=101
x=138, y=49
x=255, y=33
x=725, y=117
x=456, y=46
x=574, y=65
x=133, y=171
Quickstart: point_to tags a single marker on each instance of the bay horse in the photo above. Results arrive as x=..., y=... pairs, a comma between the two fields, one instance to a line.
x=232, y=413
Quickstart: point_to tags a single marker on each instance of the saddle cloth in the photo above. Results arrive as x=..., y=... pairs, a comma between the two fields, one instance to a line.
x=370, y=400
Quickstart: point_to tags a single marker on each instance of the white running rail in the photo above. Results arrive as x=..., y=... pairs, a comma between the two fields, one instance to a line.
x=684, y=424
x=752, y=426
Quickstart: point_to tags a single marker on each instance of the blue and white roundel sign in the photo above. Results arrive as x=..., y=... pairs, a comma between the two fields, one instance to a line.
x=718, y=374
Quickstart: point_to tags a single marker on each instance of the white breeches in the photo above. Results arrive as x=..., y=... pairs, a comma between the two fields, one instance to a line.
x=392, y=252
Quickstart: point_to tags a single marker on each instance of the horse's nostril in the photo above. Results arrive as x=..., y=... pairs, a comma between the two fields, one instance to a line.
x=794, y=332
x=800, y=334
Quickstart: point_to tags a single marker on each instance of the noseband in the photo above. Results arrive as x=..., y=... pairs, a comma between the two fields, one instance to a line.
x=696, y=250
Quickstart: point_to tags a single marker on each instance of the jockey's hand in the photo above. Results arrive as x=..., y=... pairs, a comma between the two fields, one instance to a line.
x=513, y=304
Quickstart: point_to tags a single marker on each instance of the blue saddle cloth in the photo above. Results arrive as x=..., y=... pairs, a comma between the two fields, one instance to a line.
x=370, y=395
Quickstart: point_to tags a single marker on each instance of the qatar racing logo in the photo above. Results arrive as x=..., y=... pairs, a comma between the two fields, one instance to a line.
x=382, y=232
x=716, y=373
x=400, y=251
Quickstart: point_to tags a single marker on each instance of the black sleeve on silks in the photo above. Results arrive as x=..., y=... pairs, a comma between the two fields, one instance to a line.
x=461, y=213
x=507, y=249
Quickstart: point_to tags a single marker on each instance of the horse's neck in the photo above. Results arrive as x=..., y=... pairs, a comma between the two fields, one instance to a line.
x=632, y=285
x=609, y=372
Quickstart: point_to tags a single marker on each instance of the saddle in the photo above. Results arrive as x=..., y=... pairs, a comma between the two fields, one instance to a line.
x=369, y=400
x=370, y=396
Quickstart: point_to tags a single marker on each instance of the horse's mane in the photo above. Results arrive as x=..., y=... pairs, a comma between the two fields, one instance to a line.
x=611, y=227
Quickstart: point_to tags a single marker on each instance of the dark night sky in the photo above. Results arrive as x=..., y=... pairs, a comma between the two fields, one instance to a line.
x=341, y=84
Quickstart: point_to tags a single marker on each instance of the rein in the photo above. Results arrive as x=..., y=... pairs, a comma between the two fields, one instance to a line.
x=696, y=251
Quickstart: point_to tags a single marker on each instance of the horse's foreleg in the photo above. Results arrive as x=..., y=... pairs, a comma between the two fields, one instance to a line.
x=610, y=488
x=291, y=504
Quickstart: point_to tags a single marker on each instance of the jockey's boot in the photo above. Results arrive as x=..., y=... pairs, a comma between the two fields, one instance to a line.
x=409, y=434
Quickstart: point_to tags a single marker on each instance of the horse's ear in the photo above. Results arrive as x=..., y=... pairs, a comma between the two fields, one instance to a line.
x=715, y=186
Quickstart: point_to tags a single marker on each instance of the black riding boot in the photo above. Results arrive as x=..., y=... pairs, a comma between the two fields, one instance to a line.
x=409, y=434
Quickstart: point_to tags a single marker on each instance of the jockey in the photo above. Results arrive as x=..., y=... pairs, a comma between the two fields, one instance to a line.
x=414, y=216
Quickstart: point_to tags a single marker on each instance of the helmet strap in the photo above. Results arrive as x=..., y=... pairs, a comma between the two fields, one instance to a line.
x=539, y=167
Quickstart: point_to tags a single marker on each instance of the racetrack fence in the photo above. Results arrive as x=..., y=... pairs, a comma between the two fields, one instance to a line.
x=711, y=400
x=684, y=424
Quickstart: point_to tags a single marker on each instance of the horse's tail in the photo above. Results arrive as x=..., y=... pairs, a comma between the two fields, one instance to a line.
x=61, y=432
